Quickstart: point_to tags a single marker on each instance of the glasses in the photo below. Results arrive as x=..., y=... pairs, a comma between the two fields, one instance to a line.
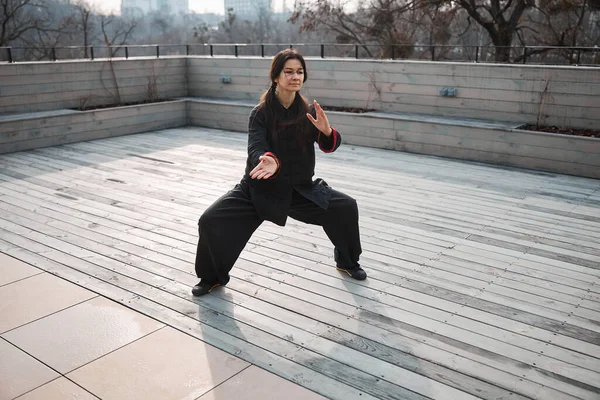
x=289, y=74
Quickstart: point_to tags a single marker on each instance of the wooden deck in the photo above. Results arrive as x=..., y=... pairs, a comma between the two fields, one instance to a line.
x=484, y=282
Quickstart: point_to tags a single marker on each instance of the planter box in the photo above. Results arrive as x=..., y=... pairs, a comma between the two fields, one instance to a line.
x=462, y=138
x=467, y=139
x=30, y=131
x=475, y=140
x=231, y=115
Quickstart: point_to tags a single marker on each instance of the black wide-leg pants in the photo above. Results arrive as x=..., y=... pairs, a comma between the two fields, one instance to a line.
x=227, y=225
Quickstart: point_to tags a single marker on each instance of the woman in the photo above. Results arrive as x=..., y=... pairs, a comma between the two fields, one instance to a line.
x=278, y=181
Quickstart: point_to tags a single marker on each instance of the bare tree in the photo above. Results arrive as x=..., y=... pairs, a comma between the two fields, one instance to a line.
x=85, y=22
x=229, y=26
x=19, y=17
x=264, y=23
x=116, y=31
x=36, y=25
x=202, y=33
x=500, y=18
x=41, y=44
x=435, y=21
x=377, y=23
x=555, y=23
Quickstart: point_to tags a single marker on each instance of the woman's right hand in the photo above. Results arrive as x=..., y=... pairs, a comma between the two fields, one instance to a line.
x=266, y=168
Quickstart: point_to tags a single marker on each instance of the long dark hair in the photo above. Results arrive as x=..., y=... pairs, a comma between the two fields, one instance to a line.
x=268, y=99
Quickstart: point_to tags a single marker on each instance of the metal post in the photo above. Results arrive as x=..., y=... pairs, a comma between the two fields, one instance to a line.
x=432, y=53
x=322, y=51
x=262, y=50
x=578, y=56
x=211, y=50
x=235, y=50
x=10, y=59
x=92, y=52
x=356, y=51
x=157, y=51
x=291, y=46
x=187, y=49
x=476, y=53
x=524, y=54
x=393, y=52
x=54, y=54
x=126, y=52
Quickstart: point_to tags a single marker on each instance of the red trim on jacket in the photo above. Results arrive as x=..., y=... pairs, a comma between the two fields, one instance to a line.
x=335, y=139
x=268, y=153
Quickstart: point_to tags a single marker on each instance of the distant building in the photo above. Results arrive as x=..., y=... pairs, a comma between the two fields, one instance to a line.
x=248, y=9
x=141, y=7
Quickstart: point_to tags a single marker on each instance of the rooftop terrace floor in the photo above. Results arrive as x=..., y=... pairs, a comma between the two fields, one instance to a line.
x=484, y=281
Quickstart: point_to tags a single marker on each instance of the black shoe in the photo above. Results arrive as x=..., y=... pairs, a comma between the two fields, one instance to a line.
x=203, y=288
x=357, y=273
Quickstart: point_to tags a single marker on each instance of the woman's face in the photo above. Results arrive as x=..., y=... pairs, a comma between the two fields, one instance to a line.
x=291, y=77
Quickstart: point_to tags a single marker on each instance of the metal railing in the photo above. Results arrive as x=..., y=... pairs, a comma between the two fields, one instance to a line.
x=460, y=53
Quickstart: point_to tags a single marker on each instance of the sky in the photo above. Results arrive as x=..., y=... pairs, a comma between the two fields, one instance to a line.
x=198, y=6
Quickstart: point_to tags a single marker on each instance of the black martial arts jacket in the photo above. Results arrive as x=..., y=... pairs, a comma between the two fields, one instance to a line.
x=272, y=197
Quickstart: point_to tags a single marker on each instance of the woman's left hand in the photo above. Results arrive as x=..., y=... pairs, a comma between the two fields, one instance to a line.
x=266, y=168
x=321, y=123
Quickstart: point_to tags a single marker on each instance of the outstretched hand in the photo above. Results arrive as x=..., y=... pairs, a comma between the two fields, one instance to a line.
x=265, y=169
x=321, y=123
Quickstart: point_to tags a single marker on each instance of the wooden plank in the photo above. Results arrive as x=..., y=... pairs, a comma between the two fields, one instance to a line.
x=168, y=240
x=580, y=327
x=220, y=124
x=476, y=155
x=90, y=135
x=447, y=109
x=52, y=104
x=165, y=72
x=35, y=87
x=197, y=106
x=140, y=90
x=484, y=285
x=376, y=316
x=100, y=124
x=91, y=116
x=278, y=292
x=471, y=99
x=408, y=67
x=392, y=314
x=462, y=199
x=72, y=67
x=335, y=77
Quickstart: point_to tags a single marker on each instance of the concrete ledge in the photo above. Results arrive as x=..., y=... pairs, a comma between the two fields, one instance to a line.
x=43, y=129
x=488, y=141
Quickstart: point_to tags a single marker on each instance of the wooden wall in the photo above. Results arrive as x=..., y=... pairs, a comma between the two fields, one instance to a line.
x=498, y=143
x=220, y=114
x=52, y=130
x=41, y=86
x=517, y=94
x=559, y=95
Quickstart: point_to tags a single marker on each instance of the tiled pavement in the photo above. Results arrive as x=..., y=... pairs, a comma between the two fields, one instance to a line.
x=61, y=341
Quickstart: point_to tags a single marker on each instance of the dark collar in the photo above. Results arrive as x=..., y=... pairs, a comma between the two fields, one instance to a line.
x=293, y=107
